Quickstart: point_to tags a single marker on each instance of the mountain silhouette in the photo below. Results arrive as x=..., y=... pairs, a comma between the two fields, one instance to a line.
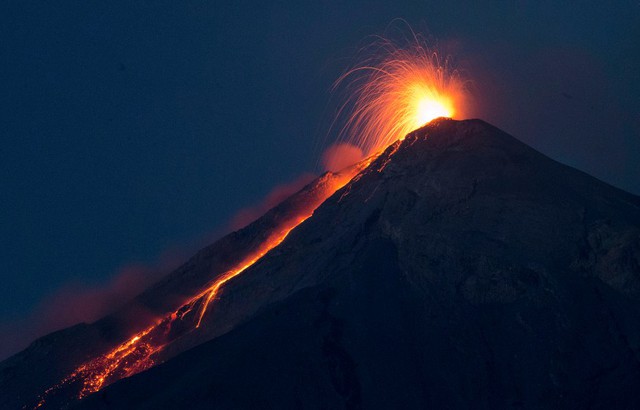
x=459, y=269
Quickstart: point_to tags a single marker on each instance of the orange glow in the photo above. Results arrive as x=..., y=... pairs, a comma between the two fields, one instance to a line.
x=428, y=109
x=397, y=89
x=139, y=352
x=265, y=247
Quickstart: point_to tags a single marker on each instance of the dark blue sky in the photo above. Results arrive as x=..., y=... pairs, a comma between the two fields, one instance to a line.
x=129, y=128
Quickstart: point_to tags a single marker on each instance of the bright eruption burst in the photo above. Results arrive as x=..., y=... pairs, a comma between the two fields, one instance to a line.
x=396, y=90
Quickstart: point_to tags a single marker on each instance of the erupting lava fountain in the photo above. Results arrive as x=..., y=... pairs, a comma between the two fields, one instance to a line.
x=397, y=88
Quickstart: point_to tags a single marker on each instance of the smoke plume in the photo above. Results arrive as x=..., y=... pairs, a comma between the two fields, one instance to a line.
x=278, y=194
x=340, y=156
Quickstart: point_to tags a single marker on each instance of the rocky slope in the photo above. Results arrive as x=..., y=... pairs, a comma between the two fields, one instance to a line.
x=28, y=374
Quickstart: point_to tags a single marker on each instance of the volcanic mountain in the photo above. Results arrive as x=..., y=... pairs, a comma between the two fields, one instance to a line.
x=458, y=269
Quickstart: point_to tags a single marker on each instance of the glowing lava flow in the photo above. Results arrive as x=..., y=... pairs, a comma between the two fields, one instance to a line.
x=264, y=248
x=396, y=89
x=138, y=352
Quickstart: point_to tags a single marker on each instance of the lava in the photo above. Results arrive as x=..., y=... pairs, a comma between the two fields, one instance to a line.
x=138, y=353
x=397, y=88
x=265, y=247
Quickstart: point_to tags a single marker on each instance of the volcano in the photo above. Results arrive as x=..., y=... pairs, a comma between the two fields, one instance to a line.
x=458, y=269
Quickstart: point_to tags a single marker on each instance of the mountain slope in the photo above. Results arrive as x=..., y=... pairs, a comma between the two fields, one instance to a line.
x=39, y=369
x=461, y=269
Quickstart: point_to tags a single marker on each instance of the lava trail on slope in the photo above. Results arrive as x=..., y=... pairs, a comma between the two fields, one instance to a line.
x=139, y=351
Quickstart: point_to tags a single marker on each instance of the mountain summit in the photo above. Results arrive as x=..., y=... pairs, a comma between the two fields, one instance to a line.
x=459, y=269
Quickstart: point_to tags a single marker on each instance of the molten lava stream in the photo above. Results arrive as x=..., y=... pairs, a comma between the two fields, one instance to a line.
x=137, y=353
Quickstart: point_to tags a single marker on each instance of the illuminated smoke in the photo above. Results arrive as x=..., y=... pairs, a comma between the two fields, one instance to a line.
x=77, y=303
x=340, y=156
x=278, y=194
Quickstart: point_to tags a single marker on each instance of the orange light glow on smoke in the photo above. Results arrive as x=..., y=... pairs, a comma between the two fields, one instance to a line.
x=397, y=89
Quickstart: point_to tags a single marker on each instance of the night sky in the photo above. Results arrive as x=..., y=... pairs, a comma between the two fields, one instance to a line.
x=133, y=131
